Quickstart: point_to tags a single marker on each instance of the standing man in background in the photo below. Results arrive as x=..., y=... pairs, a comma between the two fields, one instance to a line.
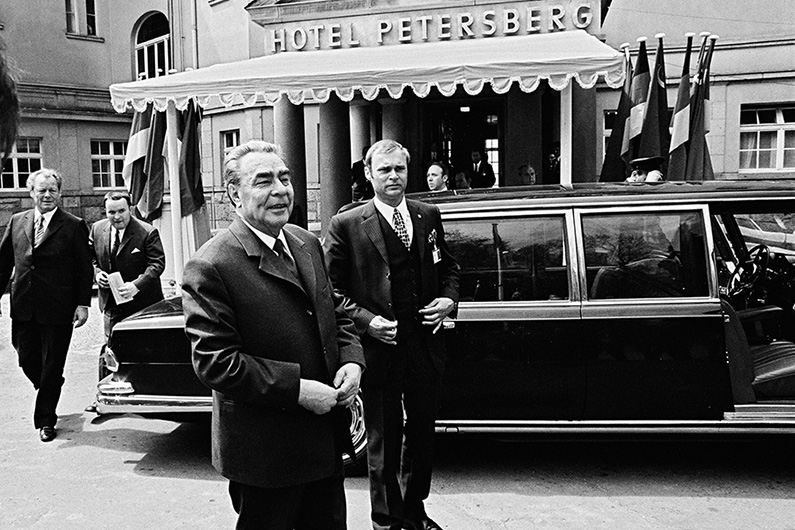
x=390, y=261
x=132, y=248
x=482, y=172
x=46, y=250
x=361, y=189
x=272, y=340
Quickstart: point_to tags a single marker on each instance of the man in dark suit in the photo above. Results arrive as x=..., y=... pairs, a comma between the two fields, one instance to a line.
x=482, y=174
x=46, y=250
x=132, y=248
x=361, y=189
x=272, y=340
x=390, y=260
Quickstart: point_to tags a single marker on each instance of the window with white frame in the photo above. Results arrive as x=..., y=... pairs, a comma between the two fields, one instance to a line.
x=81, y=17
x=493, y=157
x=767, y=138
x=153, y=47
x=25, y=159
x=229, y=140
x=107, y=162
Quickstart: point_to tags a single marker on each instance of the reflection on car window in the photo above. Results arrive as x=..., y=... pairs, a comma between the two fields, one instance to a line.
x=510, y=260
x=645, y=255
x=776, y=230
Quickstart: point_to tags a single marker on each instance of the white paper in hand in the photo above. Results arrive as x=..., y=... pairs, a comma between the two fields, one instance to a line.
x=115, y=280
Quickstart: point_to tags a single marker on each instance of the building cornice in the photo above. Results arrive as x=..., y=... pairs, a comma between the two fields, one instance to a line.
x=57, y=101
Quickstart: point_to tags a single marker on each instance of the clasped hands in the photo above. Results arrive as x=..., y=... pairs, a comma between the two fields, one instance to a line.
x=321, y=398
x=433, y=314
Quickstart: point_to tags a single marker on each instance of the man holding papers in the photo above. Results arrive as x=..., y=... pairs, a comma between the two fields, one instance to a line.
x=128, y=261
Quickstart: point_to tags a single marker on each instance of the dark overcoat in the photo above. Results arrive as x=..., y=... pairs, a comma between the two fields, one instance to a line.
x=255, y=331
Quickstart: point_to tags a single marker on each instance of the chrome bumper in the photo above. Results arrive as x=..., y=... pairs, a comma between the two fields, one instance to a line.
x=150, y=404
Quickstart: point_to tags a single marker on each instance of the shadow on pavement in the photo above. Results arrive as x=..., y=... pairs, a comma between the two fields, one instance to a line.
x=169, y=449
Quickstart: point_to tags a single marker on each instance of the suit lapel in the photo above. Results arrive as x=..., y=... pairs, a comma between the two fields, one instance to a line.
x=54, y=225
x=102, y=246
x=303, y=262
x=372, y=227
x=27, y=225
x=269, y=263
x=129, y=232
x=419, y=228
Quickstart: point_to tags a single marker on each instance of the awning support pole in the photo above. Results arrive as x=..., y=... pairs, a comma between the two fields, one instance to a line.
x=565, y=134
x=172, y=155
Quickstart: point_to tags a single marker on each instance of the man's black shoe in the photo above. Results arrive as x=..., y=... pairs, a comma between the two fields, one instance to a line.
x=47, y=433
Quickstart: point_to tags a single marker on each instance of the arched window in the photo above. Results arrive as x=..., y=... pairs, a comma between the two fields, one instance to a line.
x=153, y=48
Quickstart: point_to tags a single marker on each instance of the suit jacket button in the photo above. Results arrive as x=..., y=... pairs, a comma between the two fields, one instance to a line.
x=309, y=312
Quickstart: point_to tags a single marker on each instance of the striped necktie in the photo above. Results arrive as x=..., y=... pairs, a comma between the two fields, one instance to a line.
x=39, y=235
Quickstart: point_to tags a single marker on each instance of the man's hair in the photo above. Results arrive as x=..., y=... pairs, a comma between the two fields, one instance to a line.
x=115, y=195
x=440, y=165
x=46, y=173
x=385, y=146
x=232, y=160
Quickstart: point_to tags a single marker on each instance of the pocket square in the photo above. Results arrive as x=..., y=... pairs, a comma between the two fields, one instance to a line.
x=135, y=250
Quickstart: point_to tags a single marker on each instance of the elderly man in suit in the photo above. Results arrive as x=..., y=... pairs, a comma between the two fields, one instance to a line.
x=124, y=244
x=389, y=258
x=273, y=341
x=46, y=250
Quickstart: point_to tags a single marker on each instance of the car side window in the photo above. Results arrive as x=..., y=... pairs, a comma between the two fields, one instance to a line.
x=510, y=259
x=645, y=255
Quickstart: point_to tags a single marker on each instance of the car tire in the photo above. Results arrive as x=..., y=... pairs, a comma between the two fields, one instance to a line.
x=358, y=465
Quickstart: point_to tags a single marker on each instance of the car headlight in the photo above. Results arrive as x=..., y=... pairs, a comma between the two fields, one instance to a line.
x=115, y=387
x=110, y=360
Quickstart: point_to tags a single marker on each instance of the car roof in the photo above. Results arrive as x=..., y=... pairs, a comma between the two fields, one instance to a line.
x=613, y=194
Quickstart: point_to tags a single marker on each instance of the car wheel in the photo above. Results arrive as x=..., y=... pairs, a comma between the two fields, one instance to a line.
x=358, y=466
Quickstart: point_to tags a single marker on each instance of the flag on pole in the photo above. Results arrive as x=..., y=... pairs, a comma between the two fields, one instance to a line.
x=655, y=138
x=190, y=177
x=137, y=144
x=680, y=121
x=639, y=94
x=614, y=168
x=144, y=163
x=699, y=164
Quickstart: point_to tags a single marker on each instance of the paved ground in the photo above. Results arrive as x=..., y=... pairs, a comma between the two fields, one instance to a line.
x=127, y=472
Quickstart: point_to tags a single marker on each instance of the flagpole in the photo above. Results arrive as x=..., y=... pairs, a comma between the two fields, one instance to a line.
x=172, y=129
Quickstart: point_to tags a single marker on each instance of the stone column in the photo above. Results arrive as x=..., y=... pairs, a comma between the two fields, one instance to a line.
x=360, y=127
x=334, y=158
x=288, y=131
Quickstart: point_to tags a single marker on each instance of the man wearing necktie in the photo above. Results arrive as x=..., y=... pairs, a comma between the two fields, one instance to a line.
x=272, y=340
x=46, y=251
x=482, y=172
x=390, y=261
x=121, y=243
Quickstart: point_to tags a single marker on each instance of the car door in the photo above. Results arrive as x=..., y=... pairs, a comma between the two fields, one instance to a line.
x=512, y=353
x=652, y=325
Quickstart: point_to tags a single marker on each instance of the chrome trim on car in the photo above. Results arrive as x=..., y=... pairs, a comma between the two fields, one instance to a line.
x=150, y=404
x=158, y=322
x=783, y=424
